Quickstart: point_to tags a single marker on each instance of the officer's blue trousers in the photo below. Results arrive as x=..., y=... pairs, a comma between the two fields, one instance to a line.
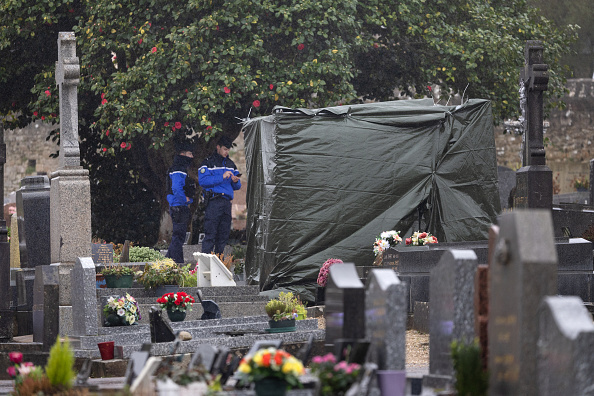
x=217, y=225
x=180, y=215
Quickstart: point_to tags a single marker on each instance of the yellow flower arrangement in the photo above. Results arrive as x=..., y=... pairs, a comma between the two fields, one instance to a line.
x=271, y=362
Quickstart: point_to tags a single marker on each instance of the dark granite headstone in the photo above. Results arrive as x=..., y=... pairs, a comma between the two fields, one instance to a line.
x=33, y=211
x=451, y=316
x=385, y=319
x=591, y=200
x=46, y=305
x=565, y=347
x=205, y=355
x=125, y=255
x=523, y=271
x=102, y=253
x=211, y=308
x=25, y=280
x=161, y=331
x=345, y=304
x=260, y=344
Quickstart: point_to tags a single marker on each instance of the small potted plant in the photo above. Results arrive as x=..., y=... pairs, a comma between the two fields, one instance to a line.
x=271, y=370
x=282, y=312
x=176, y=305
x=323, y=279
x=335, y=378
x=118, y=275
x=581, y=184
x=164, y=276
x=121, y=311
x=420, y=239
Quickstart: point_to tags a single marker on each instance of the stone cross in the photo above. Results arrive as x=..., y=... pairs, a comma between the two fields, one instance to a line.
x=67, y=79
x=70, y=189
x=534, y=188
x=535, y=78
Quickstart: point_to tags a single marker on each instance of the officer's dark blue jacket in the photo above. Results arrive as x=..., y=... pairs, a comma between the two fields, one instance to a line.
x=210, y=175
x=177, y=181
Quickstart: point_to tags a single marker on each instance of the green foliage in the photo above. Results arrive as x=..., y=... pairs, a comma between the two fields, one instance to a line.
x=285, y=305
x=118, y=270
x=190, y=68
x=143, y=254
x=161, y=272
x=190, y=276
x=59, y=369
x=471, y=379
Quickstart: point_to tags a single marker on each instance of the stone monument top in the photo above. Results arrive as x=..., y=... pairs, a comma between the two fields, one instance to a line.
x=67, y=79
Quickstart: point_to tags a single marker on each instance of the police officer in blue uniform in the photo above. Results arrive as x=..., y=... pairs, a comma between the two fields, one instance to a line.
x=180, y=190
x=218, y=177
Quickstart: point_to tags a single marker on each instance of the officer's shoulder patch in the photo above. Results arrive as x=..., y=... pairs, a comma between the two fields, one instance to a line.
x=202, y=170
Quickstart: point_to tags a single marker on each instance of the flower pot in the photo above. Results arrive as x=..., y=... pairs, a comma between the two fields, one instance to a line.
x=391, y=382
x=118, y=282
x=164, y=289
x=275, y=324
x=175, y=315
x=106, y=349
x=271, y=386
x=320, y=295
x=100, y=281
x=113, y=320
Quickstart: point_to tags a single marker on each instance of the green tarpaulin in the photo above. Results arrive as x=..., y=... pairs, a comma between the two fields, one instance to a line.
x=324, y=183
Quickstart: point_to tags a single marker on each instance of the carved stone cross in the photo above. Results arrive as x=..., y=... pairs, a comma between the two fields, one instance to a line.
x=67, y=79
x=534, y=181
x=535, y=77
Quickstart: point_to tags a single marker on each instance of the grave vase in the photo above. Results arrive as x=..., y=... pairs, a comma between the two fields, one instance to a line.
x=106, y=349
x=271, y=386
x=175, y=315
x=392, y=382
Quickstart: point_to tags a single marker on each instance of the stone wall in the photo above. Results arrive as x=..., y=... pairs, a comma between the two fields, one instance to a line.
x=28, y=153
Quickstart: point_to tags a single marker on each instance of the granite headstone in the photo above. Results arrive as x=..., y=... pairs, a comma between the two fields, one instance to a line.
x=451, y=315
x=33, y=209
x=385, y=319
x=565, y=347
x=161, y=331
x=345, y=304
x=46, y=305
x=523, y=271
x=84, y=306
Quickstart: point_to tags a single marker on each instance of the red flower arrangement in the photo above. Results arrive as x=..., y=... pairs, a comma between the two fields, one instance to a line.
x=176, y=301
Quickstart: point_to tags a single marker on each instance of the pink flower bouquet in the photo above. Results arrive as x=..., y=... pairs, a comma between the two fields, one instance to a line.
x=325, y=270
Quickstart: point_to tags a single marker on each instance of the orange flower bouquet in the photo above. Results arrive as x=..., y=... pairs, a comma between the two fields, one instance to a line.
x=271, y=364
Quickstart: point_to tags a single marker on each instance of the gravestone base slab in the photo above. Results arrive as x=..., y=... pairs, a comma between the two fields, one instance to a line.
x=108, y=368
x=531, y=181
x=437, y=381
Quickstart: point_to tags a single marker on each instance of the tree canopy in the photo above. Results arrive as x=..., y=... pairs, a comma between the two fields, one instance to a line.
x=153, y=71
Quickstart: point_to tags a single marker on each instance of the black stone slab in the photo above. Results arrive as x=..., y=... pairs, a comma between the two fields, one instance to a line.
x=102, y=253
x=46, y=305
x=161, y=331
